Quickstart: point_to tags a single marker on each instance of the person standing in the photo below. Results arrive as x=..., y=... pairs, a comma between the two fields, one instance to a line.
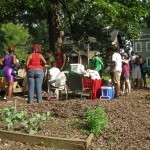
x=101, y=65
x=136, y=70
x=97, y=63
x=60, y=59
x=9, y=62
x=116, y=69
x=35, y=74
x=125, y=82
x=144, y=71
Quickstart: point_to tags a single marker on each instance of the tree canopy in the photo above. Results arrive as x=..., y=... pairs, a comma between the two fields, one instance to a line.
x=78, y=18
x=15, y=35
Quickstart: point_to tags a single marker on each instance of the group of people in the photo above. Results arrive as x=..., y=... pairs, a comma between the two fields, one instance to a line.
x=123, y=66
x=35, y=67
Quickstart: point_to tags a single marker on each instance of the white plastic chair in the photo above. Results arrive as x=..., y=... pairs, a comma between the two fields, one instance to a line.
x=59, y=84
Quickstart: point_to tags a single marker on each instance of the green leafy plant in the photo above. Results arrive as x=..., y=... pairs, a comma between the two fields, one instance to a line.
x=96, y=120
x=113, y=137
x=22, y=121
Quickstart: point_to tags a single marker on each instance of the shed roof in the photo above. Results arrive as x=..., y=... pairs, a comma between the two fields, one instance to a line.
x=75, y=53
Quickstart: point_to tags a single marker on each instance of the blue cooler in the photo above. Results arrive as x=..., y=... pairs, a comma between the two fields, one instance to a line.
x=107, y=92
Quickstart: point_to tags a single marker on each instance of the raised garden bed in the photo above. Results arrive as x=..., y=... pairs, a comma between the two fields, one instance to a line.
x=128, y=122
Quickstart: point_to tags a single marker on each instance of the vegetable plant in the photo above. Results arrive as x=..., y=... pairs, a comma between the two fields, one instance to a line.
x=22, y=120
x=96, y=120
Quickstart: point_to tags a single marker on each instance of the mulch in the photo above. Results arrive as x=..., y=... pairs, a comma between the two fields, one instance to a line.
x=129, y=121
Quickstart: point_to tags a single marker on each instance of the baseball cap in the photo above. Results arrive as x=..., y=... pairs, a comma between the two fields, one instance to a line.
x=97, y=53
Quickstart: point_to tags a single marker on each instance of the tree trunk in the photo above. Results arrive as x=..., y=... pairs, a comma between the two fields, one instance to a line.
x=54, y=23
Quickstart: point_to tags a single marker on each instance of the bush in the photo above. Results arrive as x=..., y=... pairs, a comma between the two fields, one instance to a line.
x=96, y=120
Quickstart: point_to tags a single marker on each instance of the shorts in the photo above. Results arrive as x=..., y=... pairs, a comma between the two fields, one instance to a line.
x=7, y=74
x=116, y=77
x=124, y=78
x=136, y=73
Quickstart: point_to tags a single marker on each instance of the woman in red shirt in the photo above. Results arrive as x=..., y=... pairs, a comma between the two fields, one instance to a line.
x=35, y=73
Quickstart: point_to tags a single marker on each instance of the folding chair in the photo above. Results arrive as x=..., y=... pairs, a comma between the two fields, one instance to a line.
x=74, y=83
x=87, y=86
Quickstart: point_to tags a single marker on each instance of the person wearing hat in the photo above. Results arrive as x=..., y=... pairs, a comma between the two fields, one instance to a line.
x=35, y=74
x=8, y=62
x=125, y=82
x=97, y=63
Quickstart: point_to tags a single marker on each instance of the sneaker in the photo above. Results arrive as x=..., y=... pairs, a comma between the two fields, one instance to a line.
x=9, y=99
x=29, y=102
x=4, y=97
x=122, y=94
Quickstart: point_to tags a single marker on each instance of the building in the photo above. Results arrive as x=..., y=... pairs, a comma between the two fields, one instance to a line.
x=142, y=46
x=85, y=54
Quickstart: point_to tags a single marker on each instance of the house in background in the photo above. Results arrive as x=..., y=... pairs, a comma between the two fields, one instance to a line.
x=142, y=46
x=85, y=54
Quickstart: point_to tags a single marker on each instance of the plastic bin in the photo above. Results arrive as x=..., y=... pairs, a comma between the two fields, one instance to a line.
x=107, y=92
x=78, y=68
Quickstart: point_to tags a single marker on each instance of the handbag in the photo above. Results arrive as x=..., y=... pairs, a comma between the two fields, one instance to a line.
x=14, y=71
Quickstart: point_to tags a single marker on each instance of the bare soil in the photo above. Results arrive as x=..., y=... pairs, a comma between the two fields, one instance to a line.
x=129, y=121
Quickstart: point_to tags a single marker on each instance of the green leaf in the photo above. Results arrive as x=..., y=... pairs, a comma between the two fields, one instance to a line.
x=32, y=120
x=31, y=131
x=48, y=113
x=37, y=115
x=23, y=123
x=39, y=128
x=8, y=120
x=10, y=125
x=43, y=118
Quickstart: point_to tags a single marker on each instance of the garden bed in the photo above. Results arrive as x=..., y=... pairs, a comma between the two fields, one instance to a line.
x=128, y=121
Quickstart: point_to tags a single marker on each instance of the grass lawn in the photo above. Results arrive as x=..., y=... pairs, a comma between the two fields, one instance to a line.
x=106, y=76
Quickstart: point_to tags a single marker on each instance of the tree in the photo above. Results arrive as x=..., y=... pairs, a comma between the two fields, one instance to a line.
x=15, y=35
x=98, y=17
x=30, y=13
x=79, y=18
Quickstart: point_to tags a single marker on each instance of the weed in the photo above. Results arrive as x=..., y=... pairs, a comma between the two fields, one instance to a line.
x=113, y=137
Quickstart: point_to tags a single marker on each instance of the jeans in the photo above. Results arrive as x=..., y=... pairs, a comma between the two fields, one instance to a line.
x=35, y=80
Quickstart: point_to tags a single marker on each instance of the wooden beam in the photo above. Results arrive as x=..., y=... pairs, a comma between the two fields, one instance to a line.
x=62, y=143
